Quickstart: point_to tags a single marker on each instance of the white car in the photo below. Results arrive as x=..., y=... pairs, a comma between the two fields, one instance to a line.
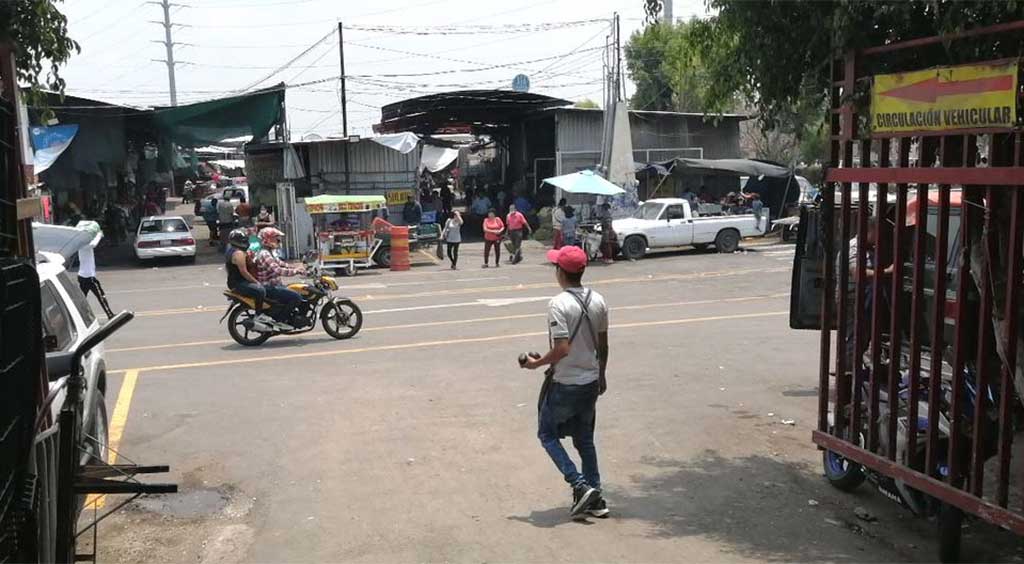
x=67, y=320
x=668, y=222
x=164, y=236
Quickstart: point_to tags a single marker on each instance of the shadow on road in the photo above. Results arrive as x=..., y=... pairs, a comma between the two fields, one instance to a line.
x=755, y=506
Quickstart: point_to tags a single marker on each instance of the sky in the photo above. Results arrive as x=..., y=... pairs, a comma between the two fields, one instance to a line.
x=394, y=50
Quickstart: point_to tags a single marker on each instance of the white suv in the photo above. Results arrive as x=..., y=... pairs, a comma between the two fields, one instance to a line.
x=67, y=320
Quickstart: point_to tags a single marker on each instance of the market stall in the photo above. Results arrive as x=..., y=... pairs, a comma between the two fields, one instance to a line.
x=343, y=231
x=581, y=190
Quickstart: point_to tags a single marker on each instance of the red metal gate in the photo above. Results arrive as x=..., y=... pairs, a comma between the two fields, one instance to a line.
x=927, y=323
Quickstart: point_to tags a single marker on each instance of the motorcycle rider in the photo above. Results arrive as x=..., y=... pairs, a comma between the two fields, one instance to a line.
x=242, y=278
x=269, y=270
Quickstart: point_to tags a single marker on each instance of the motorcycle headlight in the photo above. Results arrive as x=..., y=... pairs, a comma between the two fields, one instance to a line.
x=330, y=282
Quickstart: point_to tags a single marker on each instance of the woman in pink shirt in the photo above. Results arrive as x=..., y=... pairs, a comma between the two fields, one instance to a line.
x=517, y=223
x=493, y=228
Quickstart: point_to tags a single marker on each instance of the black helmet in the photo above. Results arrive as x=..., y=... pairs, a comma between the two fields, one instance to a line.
x=239, y=238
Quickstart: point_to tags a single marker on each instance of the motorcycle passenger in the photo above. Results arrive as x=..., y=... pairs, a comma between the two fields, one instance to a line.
x=241, y=276
x=269, y=270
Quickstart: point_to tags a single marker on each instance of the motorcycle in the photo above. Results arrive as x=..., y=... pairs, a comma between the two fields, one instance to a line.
x=340, y=317
x=847, y=475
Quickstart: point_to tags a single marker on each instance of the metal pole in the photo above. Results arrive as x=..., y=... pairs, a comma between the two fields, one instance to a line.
x=618, y=59
x=344, y=108
x=169, y=45
x=344, y=101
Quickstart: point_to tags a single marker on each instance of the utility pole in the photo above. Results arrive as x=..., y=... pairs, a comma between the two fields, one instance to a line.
x=618, y=60
x=666, y=12
x=344, y=108
x=168, y=44
x=344, y=101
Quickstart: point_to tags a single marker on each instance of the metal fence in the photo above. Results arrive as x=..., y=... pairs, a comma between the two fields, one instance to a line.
x=928, y=373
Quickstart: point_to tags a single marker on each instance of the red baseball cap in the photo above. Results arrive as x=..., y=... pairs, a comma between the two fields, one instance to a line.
x=570, y=259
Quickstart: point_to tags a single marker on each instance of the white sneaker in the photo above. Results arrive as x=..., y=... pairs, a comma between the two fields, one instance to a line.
x=263, y=322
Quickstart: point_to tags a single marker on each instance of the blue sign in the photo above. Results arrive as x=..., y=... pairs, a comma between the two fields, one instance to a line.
x=49, y=143
x=521, y=83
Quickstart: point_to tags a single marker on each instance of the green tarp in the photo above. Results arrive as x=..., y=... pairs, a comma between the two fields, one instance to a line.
x=207, y=123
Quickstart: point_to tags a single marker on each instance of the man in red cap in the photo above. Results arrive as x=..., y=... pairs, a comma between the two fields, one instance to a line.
x=578, y=334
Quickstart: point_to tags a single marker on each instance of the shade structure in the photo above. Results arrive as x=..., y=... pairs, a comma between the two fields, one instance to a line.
x=585, y=182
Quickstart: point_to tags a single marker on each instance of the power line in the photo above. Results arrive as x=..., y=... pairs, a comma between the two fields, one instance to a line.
x=291, y=62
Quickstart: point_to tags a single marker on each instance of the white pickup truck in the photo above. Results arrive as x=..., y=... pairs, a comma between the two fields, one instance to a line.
x=669, y=222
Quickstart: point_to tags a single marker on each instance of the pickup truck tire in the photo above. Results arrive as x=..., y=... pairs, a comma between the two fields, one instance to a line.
x=634, y=247
x=727, y=241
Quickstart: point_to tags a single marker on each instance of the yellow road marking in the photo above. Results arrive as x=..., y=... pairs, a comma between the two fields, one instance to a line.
x=460, y=322
x=116, y=427
x=432, y=258
x=219, y=308
x=427, y=344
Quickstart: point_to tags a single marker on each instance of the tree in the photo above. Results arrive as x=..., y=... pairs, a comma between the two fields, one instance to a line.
x=666, y=69
x=586, y=104
x=778, y=54
x=39, y=31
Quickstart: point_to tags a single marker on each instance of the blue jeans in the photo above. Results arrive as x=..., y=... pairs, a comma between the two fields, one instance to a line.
x=284, y=301
x=255, y=291
x=571, y=411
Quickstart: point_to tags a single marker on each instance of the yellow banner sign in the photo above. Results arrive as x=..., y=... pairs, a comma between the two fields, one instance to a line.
x=397, y=197
x=945, y=98
x=341, y=207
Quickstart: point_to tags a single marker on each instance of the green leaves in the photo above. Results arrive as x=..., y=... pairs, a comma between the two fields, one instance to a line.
x=39, y=32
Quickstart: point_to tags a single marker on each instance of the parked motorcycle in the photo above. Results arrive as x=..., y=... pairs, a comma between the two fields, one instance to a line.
x=340, y=317
x=847, y=475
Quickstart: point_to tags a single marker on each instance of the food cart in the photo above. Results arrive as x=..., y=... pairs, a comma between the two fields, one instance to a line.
x=343, y=231
x=586, y=185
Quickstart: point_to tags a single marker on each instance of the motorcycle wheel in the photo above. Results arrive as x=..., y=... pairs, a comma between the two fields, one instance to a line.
x=239, y=327
x=342, y=319
x=845, y=475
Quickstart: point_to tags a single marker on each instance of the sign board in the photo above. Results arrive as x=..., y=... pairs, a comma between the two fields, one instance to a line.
x=521, y=83
x=397, y=197
x=945, y=98
x=342, y=207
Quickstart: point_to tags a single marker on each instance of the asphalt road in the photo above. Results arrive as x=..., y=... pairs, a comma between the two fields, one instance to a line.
x=415, y=441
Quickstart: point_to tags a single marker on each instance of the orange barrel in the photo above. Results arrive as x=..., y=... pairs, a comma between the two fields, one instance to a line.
x=399, y=247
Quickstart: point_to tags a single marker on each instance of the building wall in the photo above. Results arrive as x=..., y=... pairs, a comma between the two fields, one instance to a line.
x=374, y=168
x=656, y=137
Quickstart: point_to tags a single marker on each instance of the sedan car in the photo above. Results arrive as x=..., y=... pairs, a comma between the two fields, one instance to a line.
x=164, y=236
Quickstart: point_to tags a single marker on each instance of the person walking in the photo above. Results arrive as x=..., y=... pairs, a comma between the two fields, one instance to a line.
x=557, y=218
x=608, y=235
x=517, y=224
x=577, y=374
x=493, y=228
x=452, y=236
x=225, y=220
x=87, y=281
x=757, y=206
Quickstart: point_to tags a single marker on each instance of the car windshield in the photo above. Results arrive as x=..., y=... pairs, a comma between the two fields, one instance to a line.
x=163, y=226
x=650, y=210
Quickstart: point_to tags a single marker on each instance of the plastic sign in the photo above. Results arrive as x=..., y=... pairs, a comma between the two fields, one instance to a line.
x=397, y=197
x=341, y=207
x=946, y=98
x=521, y=83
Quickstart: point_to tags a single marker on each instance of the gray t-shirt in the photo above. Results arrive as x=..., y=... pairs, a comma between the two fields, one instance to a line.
x=581, y=365
x=453, y=231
